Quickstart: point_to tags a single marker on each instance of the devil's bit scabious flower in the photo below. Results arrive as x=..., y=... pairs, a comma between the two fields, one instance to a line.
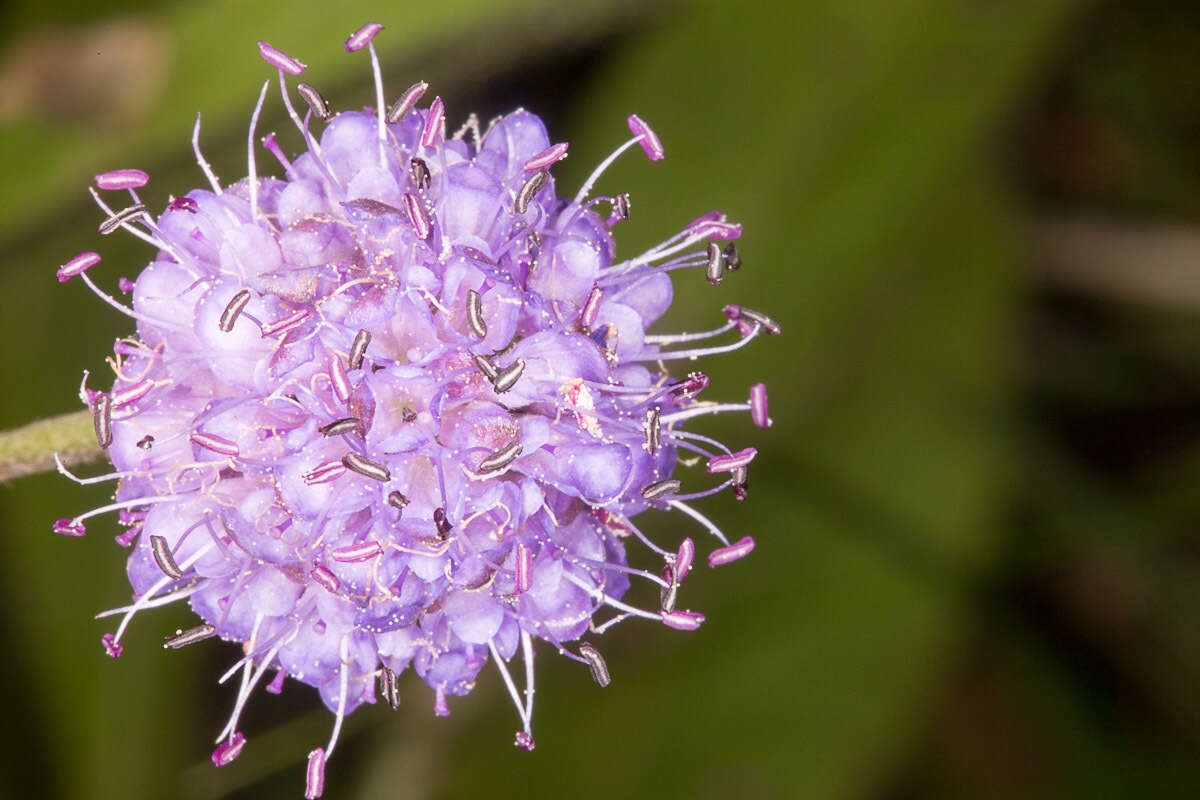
x=400, y=406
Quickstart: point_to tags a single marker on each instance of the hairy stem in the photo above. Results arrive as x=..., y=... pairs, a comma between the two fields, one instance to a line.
x=30, y=449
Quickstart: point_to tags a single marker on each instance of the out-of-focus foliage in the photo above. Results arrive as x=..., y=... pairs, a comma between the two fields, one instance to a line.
x=976, y=570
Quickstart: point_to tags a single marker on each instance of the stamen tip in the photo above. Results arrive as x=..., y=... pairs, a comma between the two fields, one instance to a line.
x=647, y=138
x=362, y=37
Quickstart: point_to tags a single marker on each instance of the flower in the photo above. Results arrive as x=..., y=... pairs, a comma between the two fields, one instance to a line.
x=399, y=407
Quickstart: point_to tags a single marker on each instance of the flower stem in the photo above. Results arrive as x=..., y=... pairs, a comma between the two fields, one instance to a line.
x=30, y=449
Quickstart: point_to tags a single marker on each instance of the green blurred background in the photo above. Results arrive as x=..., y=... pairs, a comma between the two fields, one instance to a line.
x=978, y=569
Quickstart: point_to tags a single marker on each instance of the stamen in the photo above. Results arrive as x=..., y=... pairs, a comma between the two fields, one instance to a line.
x=69, y=527
x=410, y=98
x=740, y=483
x=727, y=555
x=749, y=316
x=647, y=138
x=314, y=775
x=758, y=405
x=533, y=184
x=368, y=469
x=132, y=393
x=397, y=500
x=524, y=740
x=416, y=216
x=653, y=429
x=418, y=170
x=682, y=620
x=683, y=559
x=501, y=458
x=733, y=259
x=475, y=313
x=111, y=645
x=591, y=309
x=551, y=155
x=276, y=684
x=358, y=348
x=217, y=444
x=190, y=636
x=230, y=315
x=506, y=378
x=660, y=488
x=340, y=426
x=435, y=124
x=326, y=472
x=596, y=664
x=119, y=218
x=354, y=553
x=486, y=367
x=77, y=265
x=668, y=595
x=227, y=751
x=339, y=379
x=362, y=37
x=318, y=104
x=162, y=556
x=122, y=179
x=327, y=580
x=280, y=59
x=715, y=264
x=289, y=322
x=732, y=461
x=184, y=203
x=524, y=568
x=620, y=208
x=102, y=420
x=388, y=688
x=439, y=520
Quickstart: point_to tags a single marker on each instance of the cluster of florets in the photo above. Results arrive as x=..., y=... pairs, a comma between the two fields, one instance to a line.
x=400, y=406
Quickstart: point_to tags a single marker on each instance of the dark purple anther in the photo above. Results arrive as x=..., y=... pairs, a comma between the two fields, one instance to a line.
x=682, y=620
x=434, y=129
x=551, y=155
x=533, y=184
x=748, y=318
x=596, y=664
x=388, y=688
x=340, y=426
x=475, y=313
x=501, y=458
x=184, y=204
x=102, y=419
x=233, y=310
x=715, y=266
x=506, y=378
x=660, y=488
x=362, y=37
x=217, y=444
x=318, y=104
x=328, y=581
x=69, y=527
x=228, y=750
x=190, y=636
x=164, y=559
x=358, y=348
x=740, y=483
x=111, y=645
x=405, y=103
x=620, y=208
x=486, y=367
x=647, y=138
x=591, y=309
x=524, y=568
x=683, y=559
x=367, y=468
x=416, y=216
x=731, y=461
x=314, y=776
x=116, y=220
x=418, y=170
x=727, y=555
x=76, y=265
x=652, y=429
x=357, y=552
x=732, y=258
x=397, y=500
x=443, y=525
x=758, y=405
x=692, y=385
x=326, y=472
x=122, y=179
x=524, y=740
x=280, y=59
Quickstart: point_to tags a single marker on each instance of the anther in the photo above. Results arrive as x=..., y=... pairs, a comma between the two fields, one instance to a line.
x=230, y=314
x=408, y=415
x=591, y=309
x=524, y=568
x=416, y=216
x=733, y=259
x=653, y=429
x=401, y=107
x=217, y=444
x=397, y=500
x=324, y=473
x=524, y=740
x=287, y=323
x=340, y=426
x=314, y=775
x=76, y=265
x=318, y=104
x=758, y=405
x=434, y=128
x=596, y=664
x=122, y=179
x=501, y=458
x=362, y=37
x=132, y=393
x=741, y=314
x=229, y=750
x=388, y=688
x=681, y=620
x=730, y=553
x=368, y=469
x=533, y=184
x=418, y=170
x=116, y=220
x=146, y=442
x=486, y=367
x=358, y=348
x=443, y=525
x=660, y=488
x=102, y=419
x=279, y=59
x=185, y=203
x=551, y=155
x=740, y=482
x=692, y=385
x=620, y=207
x=475, y=313
x=668, y=595
x=326, y=579
x=111, y=645
x=162, y=556
x=69, y=527
x=339, y=380
x=683, y=559
x=731, y=461
x=354, y=553
x=190, y=636
x=716, y=265
x=647, y=138
x=507, y=377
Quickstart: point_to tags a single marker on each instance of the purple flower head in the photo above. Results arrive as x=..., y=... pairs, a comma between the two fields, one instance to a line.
x=399, y=407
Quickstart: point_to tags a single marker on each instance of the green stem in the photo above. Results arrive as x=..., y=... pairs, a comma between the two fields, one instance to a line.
x=30, y=449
